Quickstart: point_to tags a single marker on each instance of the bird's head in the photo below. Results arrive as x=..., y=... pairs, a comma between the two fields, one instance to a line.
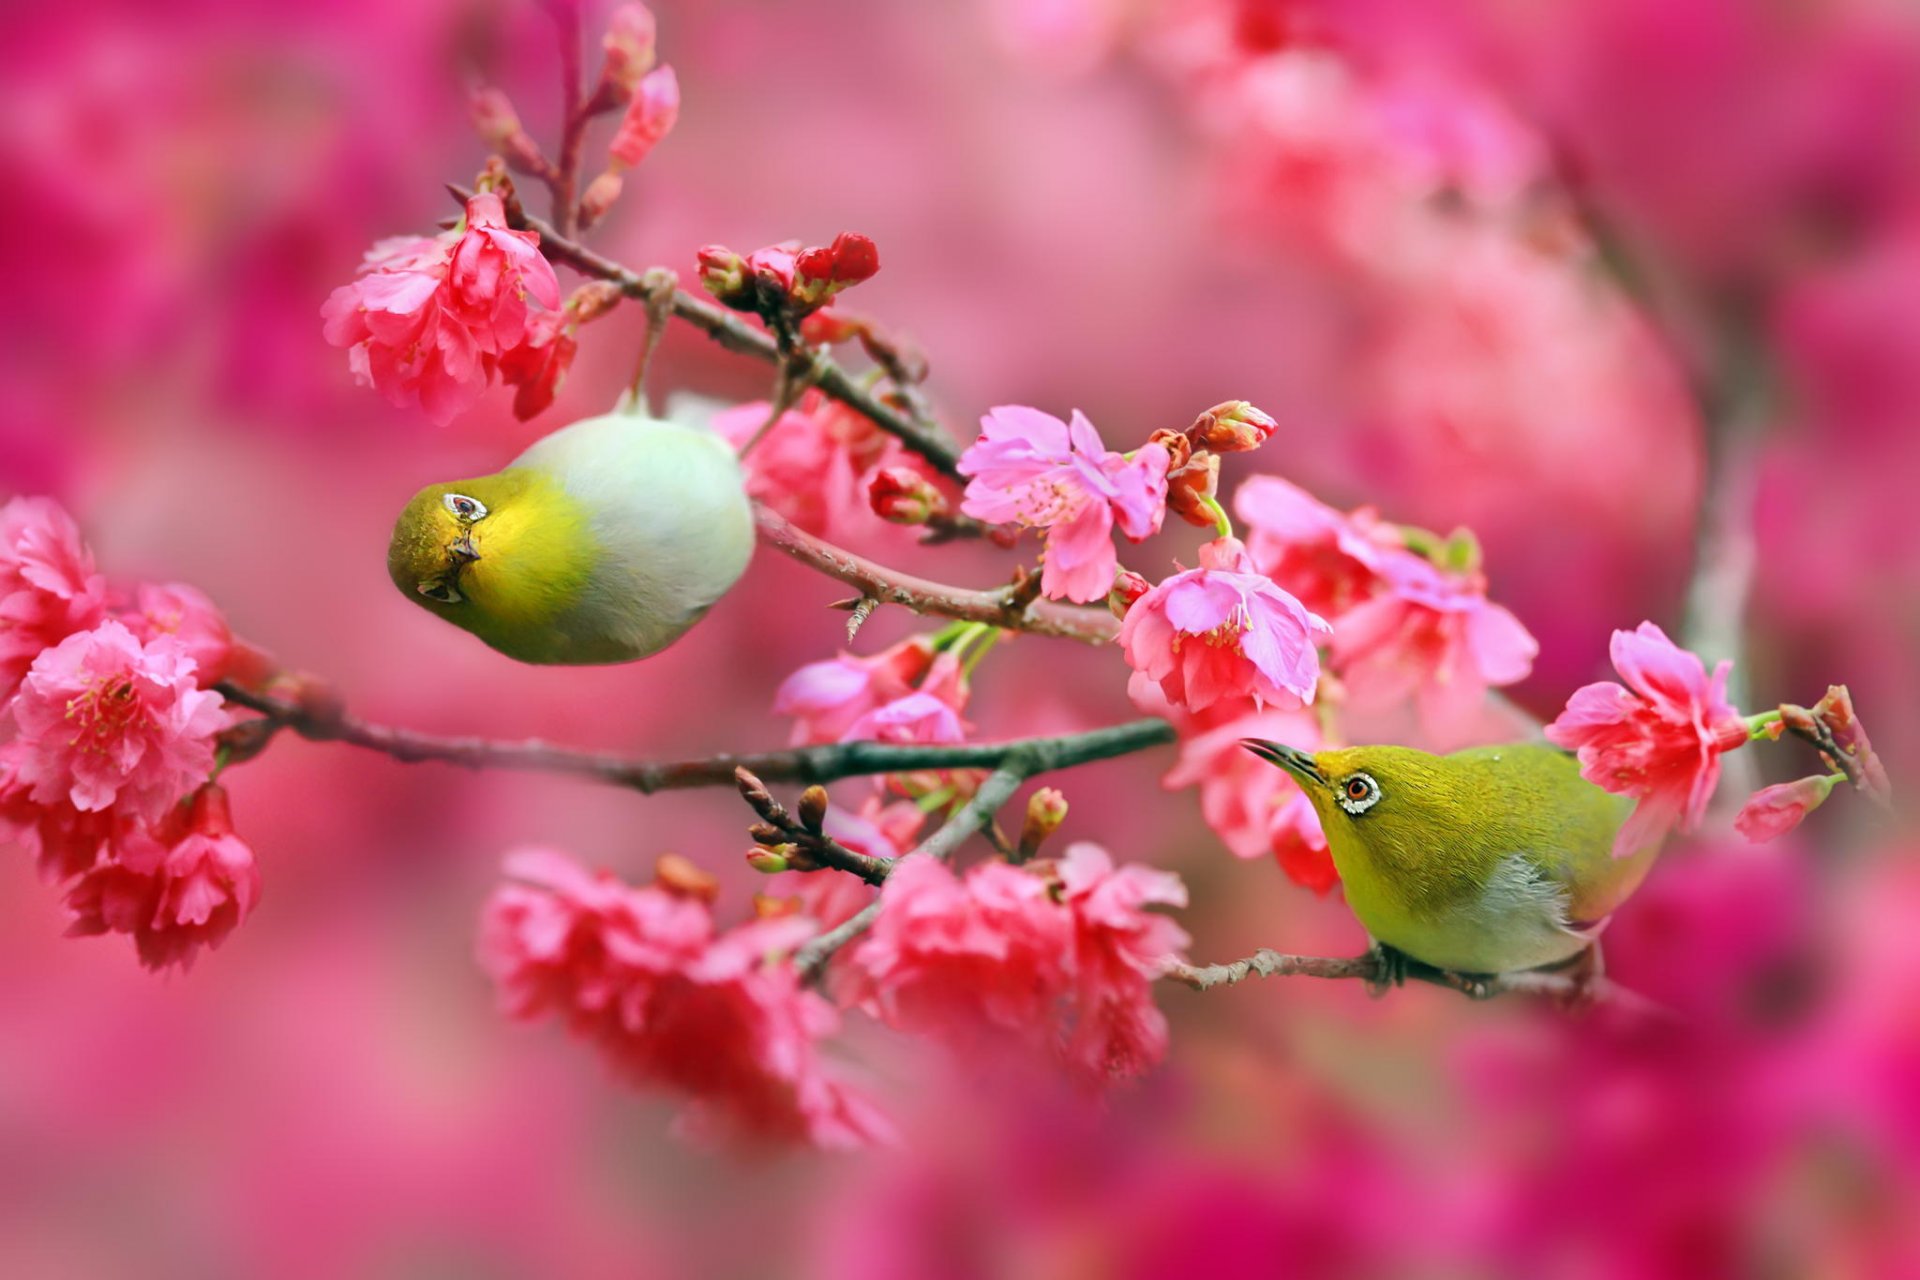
x=495, y=554
x=1374, y=795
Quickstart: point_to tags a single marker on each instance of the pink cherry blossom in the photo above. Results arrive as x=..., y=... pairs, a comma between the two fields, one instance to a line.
x=48, y=587
x=106, y=721
x=1330, y=560
x=1254, y=808
x=1032, y=469
x=673, y=1003
x=827, y=698
x=429, y=318
x=175, y=893
x=651, y=114
x=185, y=613
x=64, y=841
x=930, y=713
x=1004, y=958
x=1658, y=739
x=1223, y=631
x=1773, y=811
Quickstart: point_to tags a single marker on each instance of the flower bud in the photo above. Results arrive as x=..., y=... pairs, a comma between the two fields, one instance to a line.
x=628, y=45
x=1773, y=811
x=1232, y=427
x=813, y=807
x=1128, y=586
x=599, y=197
x=650, y=117
x=679, y=876
x=494, y=118
x=1046, y=810
x=820, y=273
x=904, y=496
x=768, y=860
x=1192, y=487
x=766, y=833
x=593, y=300
x=723, y=273
x=1179, y=448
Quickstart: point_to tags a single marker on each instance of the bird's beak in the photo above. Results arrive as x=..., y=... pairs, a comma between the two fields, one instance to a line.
x=1296, y=762
x=463, y=552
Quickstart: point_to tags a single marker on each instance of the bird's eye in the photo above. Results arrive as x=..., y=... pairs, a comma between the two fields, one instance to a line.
x=465, y=508
x=1359, y=793
x=439, y=590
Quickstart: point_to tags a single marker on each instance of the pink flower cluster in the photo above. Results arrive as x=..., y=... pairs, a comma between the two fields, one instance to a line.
x=674, y=1003
x=105, y=775
x=1658, y=738
x=432, y=320
x=1403, y=626
x=911, y=692
x=1031, y=469
x=786, y=282
x=1058, y=961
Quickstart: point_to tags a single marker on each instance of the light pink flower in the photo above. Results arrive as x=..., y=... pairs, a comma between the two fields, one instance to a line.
x=1223, y=631
x=1773, y=811
x=671, y=1002
x=1254, y=808
x=186, y=614
x=1328, y=559
x=1002, y=957
x=174, y=891
x=931, y=713
x=1658, y=739
x=651, y=114
x=48, y=587
x=827, y=698
x=106, y=721
x=1030, y=468
x=429, y=318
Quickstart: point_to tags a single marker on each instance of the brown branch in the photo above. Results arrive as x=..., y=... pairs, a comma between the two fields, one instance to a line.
x=565, y=183
x=823, y=763
x=735, y=334
x=1009, y=607
x=1370, y=969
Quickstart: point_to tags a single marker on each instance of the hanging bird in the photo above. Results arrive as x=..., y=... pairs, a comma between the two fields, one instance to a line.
x=1485, y=861
x=603, y=542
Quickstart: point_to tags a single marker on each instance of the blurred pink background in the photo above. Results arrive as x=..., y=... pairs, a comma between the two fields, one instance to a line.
x=1344, y=213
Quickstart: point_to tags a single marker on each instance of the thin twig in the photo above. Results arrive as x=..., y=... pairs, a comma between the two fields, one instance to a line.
x=1367, y=968
x=823, y=763
x=1009, y=607
x=566, y=180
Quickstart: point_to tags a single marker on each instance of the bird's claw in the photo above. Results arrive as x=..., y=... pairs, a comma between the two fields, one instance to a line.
x=1389, y=969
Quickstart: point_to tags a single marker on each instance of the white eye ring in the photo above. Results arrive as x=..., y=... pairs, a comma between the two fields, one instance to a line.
x=1357, y=793
x=465, y=508
x=440, y=590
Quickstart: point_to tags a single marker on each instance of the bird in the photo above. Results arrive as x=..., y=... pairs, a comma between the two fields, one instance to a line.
x=602, y=543
x=1487, y=861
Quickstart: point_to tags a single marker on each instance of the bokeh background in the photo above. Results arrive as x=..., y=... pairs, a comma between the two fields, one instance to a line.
x=1375, y=220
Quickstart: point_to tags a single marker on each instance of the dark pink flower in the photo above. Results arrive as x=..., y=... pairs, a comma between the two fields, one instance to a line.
x=106, y=721
x=827, y=698
x=1773, y=811
x=48, y=587
x=674, y=1004
x=428, y=319
x=651, y=114
x=1032, y=469
x=538, y=366
x=1223, y=631
x=1003, y=957
x=64, y=841
x=815, y=463
x=186, y=614
x=175, y=892
x=1254, y=808
x=1328, y=559
x=930, y=713
x=1658, y=739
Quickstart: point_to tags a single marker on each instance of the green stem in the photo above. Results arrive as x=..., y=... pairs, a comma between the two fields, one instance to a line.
x=1758, y=724
x=1220, y=521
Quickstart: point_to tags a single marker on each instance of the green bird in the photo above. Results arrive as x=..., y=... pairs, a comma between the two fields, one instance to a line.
x=603, y=542
x=1486, y=861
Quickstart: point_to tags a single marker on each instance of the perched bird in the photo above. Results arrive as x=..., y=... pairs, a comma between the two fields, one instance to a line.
x=603, y=542
x=1484, y=861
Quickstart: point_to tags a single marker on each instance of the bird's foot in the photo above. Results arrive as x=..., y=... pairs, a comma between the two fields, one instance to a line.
x=1585, y=974
x=1476, y=986
x=1389, y=968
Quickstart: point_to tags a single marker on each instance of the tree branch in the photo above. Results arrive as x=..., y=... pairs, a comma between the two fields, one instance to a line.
x=822, y=763
x=1003, y=607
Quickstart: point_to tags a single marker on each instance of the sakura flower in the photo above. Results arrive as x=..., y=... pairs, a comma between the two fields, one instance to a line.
x=428, y=319
x=1030, y=468
x=1330, y=560
x=106, y=721
x=931, y=713
x=64, y=841
x=673, y=1003
x=174, y=893
x=538, y=366
x=1254, y=808
x=1005, y=958
x=1223, y=631
x=651, y=114
x=48, y=587
x=1773, y=811
x=827, y=698
x=1658, y=739
x=185, y=613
